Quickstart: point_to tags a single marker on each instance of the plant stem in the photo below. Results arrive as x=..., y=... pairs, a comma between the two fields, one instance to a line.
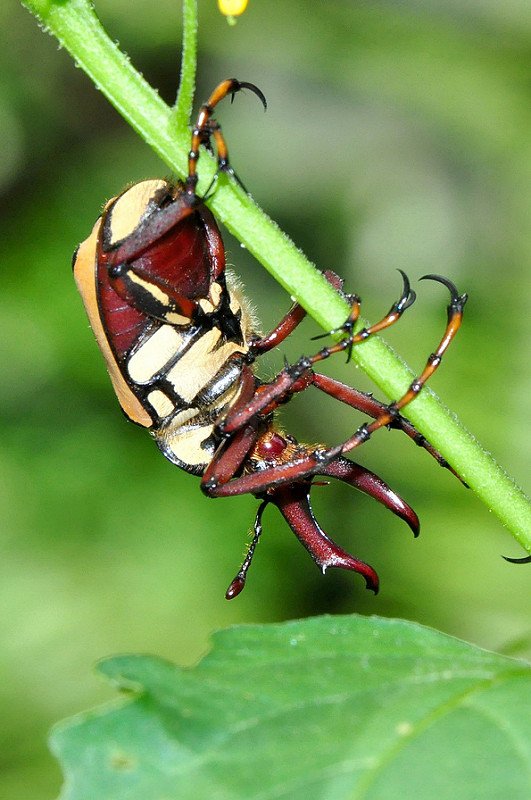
x=182, y=110
x=76, y=26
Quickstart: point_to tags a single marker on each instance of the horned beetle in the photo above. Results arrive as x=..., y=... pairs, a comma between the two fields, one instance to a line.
x=180, y=343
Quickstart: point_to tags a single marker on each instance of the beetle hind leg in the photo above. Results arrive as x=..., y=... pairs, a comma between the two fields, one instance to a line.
x=207, y=128
x=293, y=502
x=523, y=560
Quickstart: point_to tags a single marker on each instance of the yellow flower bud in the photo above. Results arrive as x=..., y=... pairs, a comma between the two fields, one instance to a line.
x=232, y=8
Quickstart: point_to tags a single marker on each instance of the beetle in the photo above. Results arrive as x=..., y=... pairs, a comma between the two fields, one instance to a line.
x=180, y=343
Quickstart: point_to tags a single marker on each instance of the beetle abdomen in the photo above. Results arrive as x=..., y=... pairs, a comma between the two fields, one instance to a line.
x=202, y=384
x=191, y=368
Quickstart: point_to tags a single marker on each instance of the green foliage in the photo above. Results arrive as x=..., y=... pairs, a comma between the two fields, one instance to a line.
x=342, y=707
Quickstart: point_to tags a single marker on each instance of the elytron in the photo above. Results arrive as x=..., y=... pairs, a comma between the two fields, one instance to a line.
x=180, y=343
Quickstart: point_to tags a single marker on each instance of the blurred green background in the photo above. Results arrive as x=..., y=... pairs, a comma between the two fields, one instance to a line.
x=106, y=547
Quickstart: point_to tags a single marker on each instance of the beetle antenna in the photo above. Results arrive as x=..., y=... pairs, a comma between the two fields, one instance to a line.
x=238, y=584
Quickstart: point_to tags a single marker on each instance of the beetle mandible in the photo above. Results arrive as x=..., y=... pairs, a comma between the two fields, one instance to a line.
x=180, y=343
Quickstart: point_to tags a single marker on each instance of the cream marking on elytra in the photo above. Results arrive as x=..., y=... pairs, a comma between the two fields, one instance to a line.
x=200, y=364
x=154, y=354
x=161, y=297
x=186, y=444
x=176, y=319
x=128, y=211
x=215, y=294
x=155, y=291
x=161, y=403
x=206, y=306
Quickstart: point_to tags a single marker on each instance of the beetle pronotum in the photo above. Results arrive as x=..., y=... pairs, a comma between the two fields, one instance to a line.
x=180, y=343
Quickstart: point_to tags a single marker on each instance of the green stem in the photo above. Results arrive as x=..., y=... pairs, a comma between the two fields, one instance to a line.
x=76, y=26
x=182, y=111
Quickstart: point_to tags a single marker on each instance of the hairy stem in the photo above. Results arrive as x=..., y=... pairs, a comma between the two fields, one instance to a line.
x=182, y=110
x=76, y=26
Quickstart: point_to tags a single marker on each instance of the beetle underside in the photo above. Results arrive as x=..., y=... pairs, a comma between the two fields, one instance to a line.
x=180, y=345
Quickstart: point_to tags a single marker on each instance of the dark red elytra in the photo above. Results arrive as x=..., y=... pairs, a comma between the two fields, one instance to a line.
x=183, y=255
x=181, y=344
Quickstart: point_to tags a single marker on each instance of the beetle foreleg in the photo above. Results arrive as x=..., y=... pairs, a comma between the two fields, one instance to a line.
x=293, y=502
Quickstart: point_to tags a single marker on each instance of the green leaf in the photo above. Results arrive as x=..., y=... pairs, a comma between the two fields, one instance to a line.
x=332, y=707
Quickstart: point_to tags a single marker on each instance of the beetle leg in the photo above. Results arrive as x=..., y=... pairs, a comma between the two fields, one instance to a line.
x=166, y=220
x=406, y=299
x=280, y=332
x=273, y=392
x=389, y=414
x=366, y=481
x=206, y=127
x=232, y=453
x=288, y=487
x=290, y=321
x=293, y=502
x=373, y=408
x=523, y=560
x=283, y=383
x=305, y=465
x=227, y=462
x=363, y=402
x=300, y=471
x=314, y=462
